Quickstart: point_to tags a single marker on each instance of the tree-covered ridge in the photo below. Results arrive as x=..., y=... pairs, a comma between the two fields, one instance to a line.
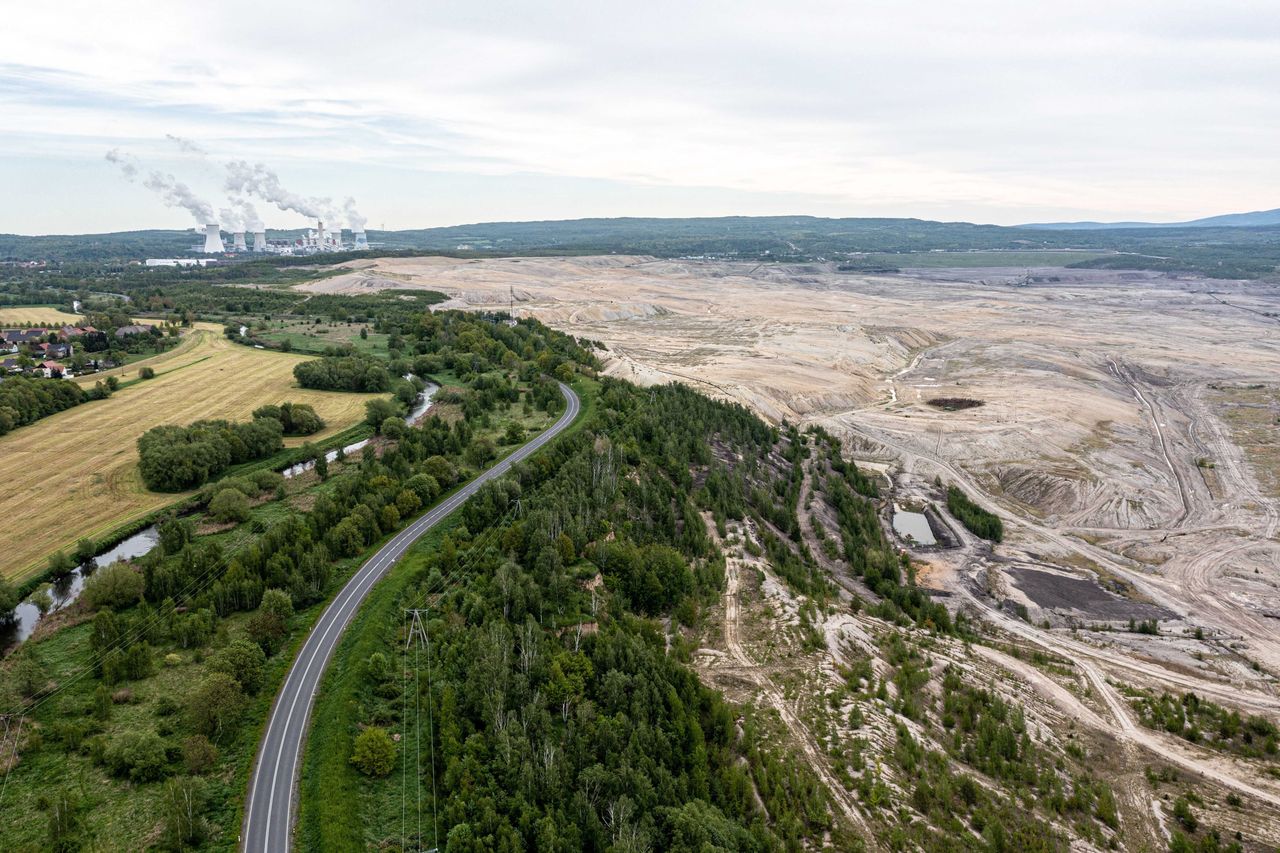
x=565, y=723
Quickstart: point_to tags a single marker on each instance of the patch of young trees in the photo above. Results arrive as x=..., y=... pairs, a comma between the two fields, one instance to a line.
x=173, y=458
x=344, y=373
x=978, y=520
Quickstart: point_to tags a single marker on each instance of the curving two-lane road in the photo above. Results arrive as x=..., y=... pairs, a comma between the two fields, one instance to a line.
x=268, y=820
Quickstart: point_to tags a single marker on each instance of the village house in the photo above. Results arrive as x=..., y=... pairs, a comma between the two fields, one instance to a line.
x=125, y=331
x=54, y=370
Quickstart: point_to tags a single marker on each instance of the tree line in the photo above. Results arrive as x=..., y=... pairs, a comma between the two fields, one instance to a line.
x=27, y=399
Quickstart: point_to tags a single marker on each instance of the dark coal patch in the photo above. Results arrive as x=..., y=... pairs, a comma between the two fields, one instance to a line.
x=1056, y=592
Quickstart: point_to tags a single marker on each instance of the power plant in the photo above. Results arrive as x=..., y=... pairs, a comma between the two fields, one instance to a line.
x=314, y=241
x=213, y=240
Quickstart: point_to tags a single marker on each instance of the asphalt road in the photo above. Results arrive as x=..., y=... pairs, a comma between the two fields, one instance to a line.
x=269, y=812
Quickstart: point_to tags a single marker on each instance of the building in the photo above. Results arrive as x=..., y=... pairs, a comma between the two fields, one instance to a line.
x=126, y=331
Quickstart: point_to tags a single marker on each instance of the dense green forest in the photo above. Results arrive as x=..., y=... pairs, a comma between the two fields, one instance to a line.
x=1214, y=250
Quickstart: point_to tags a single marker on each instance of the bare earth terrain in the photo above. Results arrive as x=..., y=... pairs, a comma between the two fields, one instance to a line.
x=1127, y=437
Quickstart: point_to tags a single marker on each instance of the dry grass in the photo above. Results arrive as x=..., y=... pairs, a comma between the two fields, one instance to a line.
x=37, y=314
x=75, y=474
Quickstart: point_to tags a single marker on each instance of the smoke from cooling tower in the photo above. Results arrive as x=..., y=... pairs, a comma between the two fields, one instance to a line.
x=244, y=210
x=172, y=192
x=258, y=180
x=355, y=221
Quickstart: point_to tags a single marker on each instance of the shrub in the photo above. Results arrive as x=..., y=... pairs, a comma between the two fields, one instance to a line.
x=294, y=418
x=229, y=505
x=146, y=373
x=242, y=660
x=199, y=754
x=117, y=586
x=139, y=756
x=374, y=753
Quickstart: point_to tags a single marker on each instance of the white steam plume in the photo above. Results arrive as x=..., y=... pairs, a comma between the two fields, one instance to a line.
x=172, y=192
x=355, y=221
x=127, y=162
x=231, y=220
x=187, y=145
x=260, y=181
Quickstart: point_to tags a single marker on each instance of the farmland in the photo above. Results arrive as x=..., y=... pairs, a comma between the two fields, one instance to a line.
x=75, y=474
x=37, y=314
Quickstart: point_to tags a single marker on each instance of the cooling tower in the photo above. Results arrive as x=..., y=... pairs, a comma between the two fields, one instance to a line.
x=238, y=242
x=259, y=241
x=213, y=240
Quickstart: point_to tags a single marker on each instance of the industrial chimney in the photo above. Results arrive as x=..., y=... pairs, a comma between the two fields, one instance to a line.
x=213, y=240
x=238, y=242
x=319, y=234
x=259, y=241
x=362, y=242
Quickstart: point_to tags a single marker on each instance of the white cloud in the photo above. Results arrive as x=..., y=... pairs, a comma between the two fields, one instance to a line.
x=989, y=111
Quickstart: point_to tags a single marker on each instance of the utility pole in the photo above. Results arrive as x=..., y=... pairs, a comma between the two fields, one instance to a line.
x=417, y=637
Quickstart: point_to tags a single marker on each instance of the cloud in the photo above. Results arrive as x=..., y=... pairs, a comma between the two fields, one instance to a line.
x=990, y=109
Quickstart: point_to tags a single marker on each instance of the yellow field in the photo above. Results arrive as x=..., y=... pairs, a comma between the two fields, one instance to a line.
x=46, y=316
x=75, y=474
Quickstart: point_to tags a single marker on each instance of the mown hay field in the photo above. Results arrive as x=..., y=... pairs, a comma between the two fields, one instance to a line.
x=35, y=314
x=75, y=474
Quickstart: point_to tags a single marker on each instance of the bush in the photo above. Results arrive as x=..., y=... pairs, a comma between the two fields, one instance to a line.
x=139, y=756
x=229, y=505
x=146, y=373
x=295, y=418
x=267, y=481
x=9, y=599
x=117, y=586
x=374, y=753
x=393, y=427
x=199, y=754
x=242, y=660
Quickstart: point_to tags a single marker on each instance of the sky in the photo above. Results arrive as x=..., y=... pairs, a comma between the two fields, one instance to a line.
x=440, y=112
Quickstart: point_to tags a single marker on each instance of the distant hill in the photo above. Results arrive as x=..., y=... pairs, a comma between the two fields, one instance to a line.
x=1216, y=246
x=1256, y=219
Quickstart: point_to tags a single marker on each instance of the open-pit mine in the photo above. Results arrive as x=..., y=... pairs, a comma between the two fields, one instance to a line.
x=1122, y=425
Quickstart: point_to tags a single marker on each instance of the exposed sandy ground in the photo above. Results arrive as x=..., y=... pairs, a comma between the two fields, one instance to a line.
x=1122, y=438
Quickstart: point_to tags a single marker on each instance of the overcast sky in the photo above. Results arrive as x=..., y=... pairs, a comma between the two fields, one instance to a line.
x=435, y=112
